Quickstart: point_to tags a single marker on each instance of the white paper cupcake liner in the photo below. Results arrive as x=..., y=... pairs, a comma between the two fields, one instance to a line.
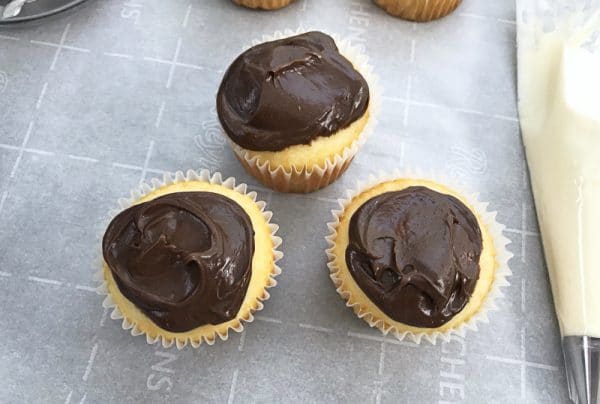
x=488, y=218
x=179, y=177
x=309, y=179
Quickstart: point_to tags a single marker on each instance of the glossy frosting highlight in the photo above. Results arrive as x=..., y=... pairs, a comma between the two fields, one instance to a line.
x=289, y=92
x=184, y=259
x=415, y=254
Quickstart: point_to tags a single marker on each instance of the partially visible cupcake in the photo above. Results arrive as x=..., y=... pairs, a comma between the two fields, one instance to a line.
x=296, y=110
x=189, y=259
x=264, y=4
x=413, y=257
x=419, y=10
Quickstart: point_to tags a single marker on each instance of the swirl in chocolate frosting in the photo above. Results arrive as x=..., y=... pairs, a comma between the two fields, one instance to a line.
x=415, y=253
x=289, y=92
x=183, y=259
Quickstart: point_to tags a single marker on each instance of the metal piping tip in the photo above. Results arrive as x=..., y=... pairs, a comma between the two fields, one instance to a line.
x=582, y=362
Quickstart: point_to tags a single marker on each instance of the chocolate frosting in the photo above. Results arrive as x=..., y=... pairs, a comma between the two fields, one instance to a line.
x=289, y=92
x=183, y=259
x=415, y=253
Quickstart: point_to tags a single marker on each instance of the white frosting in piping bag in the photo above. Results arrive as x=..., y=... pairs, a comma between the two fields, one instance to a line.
x=559, y=105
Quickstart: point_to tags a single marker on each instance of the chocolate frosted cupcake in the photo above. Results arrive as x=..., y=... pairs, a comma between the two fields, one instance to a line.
x=296, y=110
x=419, y=10
x=263, y=4
x=413, y=257
x=189, y=259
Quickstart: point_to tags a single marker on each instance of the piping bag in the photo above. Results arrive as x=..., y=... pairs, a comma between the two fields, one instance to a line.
x=559, y=108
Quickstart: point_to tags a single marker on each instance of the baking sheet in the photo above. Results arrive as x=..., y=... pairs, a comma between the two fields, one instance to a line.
x=113, y=92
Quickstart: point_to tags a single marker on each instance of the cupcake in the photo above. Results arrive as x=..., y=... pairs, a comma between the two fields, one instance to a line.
x=295, y=110
x=413, y=257
x=188, y=259
x=419, y=10
x=264, y=4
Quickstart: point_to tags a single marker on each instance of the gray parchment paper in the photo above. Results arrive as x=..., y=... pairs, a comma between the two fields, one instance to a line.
x=116, y=91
